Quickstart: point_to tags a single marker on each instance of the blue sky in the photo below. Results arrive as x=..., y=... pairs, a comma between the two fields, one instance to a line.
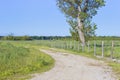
x=43, y=18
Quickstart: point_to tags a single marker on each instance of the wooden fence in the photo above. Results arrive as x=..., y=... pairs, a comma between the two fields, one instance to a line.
x=109, y=49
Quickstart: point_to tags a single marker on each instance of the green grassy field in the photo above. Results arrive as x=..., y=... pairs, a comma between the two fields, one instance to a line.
x=17, y=60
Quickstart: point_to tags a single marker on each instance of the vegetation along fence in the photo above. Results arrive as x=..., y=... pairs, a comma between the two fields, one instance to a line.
x=110, y=49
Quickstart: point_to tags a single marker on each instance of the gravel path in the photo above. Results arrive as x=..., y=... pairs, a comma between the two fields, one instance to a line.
x=74, y=67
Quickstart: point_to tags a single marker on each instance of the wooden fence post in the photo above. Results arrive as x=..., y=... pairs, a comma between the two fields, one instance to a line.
x=88, y=46
x=70, y=45
x=112, y=48
x=102, y=49
x=66, y=45
x=51, y=45
x=61, y=45
x=78, y=46
x=74, y=45
x=94, y=48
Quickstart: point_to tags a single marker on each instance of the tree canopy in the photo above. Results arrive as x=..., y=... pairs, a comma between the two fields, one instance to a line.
x=79, y=14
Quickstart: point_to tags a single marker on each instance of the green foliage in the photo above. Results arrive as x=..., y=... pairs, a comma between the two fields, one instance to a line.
x=82, y=9
x=20, y=60
x=88, y=7
x=116, y=68
x=15, y=38
x=9, y=37
x=73, y=29
x=89, y=30
x=29, y=38
x=83, y=15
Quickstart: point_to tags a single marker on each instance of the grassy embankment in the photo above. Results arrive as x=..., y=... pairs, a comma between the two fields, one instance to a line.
x=16, y=61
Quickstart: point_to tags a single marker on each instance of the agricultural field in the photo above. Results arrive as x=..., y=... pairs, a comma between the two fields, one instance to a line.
x=18, y=59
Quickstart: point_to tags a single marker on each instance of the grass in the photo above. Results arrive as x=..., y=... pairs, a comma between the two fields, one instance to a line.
x=16, y=61
x=116, y=67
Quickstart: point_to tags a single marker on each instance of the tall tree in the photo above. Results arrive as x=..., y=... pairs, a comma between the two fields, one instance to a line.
x=89, y=30
x=80, y=12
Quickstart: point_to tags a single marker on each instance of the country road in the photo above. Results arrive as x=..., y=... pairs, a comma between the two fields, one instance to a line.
x=75, y=67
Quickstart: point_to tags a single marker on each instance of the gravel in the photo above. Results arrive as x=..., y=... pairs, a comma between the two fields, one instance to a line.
x=75, y=67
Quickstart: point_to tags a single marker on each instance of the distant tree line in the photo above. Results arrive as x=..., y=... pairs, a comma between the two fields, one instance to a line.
x=17, y=38
x=105, y=38
x=50, y=37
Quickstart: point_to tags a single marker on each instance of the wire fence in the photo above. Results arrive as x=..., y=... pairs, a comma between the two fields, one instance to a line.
x=109, y=49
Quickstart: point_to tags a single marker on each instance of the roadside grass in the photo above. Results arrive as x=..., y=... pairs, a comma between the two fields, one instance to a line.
x=116, y=67
x=18, y=61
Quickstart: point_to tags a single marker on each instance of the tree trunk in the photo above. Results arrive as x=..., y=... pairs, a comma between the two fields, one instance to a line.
x=80, y=28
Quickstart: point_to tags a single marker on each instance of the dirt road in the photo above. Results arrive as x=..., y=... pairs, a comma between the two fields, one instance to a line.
x=75, y=67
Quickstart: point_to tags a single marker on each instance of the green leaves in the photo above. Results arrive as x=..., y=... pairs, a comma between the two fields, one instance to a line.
x=83, y=15
x=100, y=2
x=82, y=9
x=70, y=7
